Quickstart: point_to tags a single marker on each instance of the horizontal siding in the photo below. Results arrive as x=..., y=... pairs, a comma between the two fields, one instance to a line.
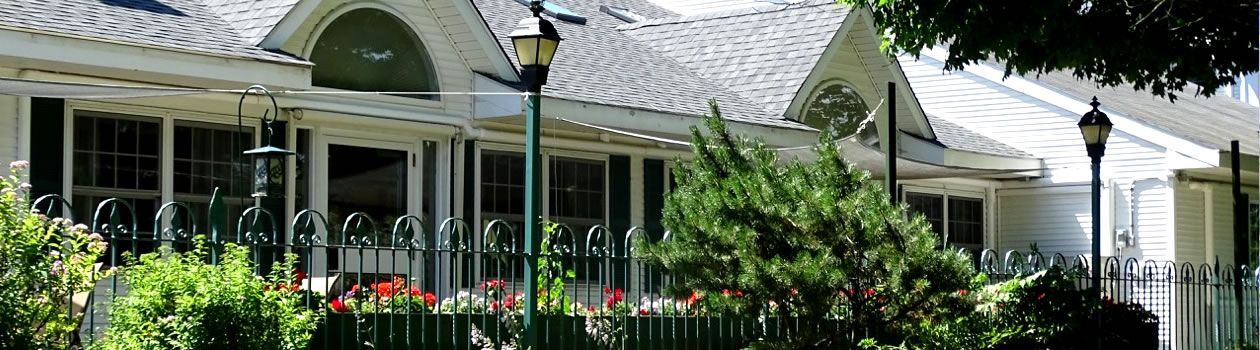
x=1056, y=222
x=1034, y=126
x=1154, y=232
x=860, y=39
x=1191, y=245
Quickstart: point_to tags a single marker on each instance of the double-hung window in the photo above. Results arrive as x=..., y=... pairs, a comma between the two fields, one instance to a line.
x=957, y=219
x=576, y=194
x=121, y=156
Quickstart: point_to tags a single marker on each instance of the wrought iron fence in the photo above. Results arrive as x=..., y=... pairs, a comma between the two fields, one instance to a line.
x=463, y=288
x=1205, y=306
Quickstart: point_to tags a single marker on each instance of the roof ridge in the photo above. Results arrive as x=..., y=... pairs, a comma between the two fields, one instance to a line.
x=757, y=9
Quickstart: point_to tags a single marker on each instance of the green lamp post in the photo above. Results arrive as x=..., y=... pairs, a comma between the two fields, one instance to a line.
x=535, y=41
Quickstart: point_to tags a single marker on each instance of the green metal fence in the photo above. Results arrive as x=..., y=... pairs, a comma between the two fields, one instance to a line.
x=1198, y=306
x=462, y=288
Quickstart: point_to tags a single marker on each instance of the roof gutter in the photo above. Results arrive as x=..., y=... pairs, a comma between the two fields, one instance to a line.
x=68, y=53
x=637, y=119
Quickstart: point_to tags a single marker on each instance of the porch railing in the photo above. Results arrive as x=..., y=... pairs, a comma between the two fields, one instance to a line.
x=467, y=283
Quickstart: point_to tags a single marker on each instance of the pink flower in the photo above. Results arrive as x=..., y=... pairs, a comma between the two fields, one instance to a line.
x=94, y=236
x=58, y=267
x=19, y=165
x=24, y=186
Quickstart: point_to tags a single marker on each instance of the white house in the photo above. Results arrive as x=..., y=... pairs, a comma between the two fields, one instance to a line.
x=993, y=163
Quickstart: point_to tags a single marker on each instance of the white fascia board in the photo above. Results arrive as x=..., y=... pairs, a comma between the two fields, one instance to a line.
x=633, y=119
x=492, y=106
x=55, y=50
x=498, y=57
x=917, y=149
x=1122, y=122
x=289, y=24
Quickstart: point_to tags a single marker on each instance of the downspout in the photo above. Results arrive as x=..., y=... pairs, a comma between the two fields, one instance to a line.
x=1125, y=235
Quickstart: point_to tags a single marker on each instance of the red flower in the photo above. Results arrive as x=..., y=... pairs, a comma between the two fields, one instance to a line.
x=644, y=312
x=695, y=297
x=794, y=291
x=338, y=306
x=509, y=303
x=430, y=299
x=615, y=298
x=739, y=294
x=299, y=275
x=962, y=292
x=489, y=285
x=726, y=292
x=354, y=289
x=414, y=291
x=1041, y=296
x=383, y=289
x=869, y=292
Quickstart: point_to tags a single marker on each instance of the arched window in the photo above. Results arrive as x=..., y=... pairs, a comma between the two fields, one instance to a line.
x=371, y=50
x=835, y=106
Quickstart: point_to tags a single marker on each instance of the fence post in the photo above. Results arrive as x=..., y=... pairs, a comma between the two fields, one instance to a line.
x=216, y=221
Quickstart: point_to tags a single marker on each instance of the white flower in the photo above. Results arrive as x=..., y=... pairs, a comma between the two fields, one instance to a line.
x=19, y=165
x=25, y=186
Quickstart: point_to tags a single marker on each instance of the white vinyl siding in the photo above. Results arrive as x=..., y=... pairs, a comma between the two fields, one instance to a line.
x=1026, y=123
x=1057, y=222
x=1190, y=229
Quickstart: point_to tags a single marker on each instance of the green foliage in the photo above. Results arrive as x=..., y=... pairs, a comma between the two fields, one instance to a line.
x=1045, y=310
x=1162, y=45
x=818, y=239
x=43, y=262
x=178, y=301
x=551, y=275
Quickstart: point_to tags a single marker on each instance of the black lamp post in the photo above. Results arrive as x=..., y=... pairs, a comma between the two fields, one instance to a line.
x=535, y=41
x=1095, y=127
x=268, y=161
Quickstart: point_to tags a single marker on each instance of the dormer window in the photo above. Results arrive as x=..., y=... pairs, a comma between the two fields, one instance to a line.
x=835, y=106
x=371, y=50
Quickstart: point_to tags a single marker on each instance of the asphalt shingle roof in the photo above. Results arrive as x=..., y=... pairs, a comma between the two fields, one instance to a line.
x=1210, y=121
x=176, y=24
x=763, y=53
x=253, y=19
x=599, y=64
x=955, y=136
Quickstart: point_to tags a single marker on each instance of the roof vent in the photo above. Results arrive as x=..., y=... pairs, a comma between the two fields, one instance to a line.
x=623, y=14
x=559, y=12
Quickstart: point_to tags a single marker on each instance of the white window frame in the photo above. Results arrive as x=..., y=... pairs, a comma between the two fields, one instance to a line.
x=547, y=153
x=945, y=194
x=166, y=159
x=546, y=177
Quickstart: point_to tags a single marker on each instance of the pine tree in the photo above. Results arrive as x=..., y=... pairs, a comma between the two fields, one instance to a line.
x=817, y=237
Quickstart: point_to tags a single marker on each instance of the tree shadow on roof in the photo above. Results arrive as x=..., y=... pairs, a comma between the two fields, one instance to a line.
x=155, y=6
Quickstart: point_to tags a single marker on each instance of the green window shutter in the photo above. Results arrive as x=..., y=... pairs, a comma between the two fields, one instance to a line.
x=47, y=138
x=653, y=197
x=470, y=181
x=618, y=199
